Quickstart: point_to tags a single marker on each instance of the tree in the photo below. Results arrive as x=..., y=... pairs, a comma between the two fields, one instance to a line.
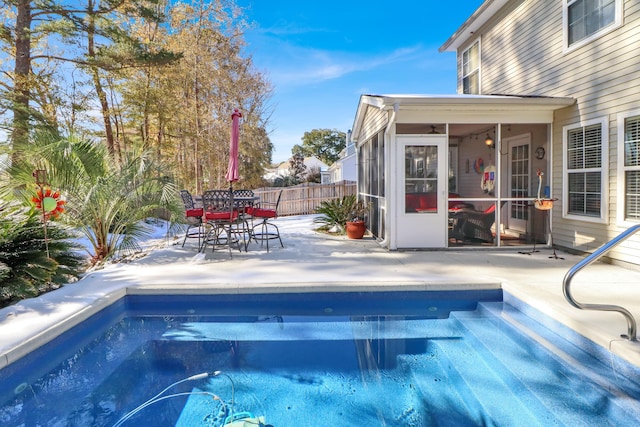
x=314, y=175
x=185, y=108
x=119, y=57
x=325, y=144
x=297, y=168
x=61, y=29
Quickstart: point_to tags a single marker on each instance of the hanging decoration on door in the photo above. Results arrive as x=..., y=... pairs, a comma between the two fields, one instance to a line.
x=488, y=179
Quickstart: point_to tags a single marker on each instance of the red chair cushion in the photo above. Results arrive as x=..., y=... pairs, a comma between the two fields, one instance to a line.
x=263, y=213
x=194, y=213
x=220, y=216
x=490, y=209
x=426, y=201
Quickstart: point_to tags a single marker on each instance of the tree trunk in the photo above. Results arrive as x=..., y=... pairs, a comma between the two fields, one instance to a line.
x=22, y=72
x=118, y=134
x=102, y=96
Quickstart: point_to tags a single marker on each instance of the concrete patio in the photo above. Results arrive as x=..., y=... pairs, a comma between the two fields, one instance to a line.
x=313, y=261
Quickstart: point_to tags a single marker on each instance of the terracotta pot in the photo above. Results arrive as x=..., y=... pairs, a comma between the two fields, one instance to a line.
x=356, y=229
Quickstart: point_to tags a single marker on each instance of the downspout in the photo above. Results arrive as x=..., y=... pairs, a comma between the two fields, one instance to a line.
x=387, y=172
x=498, y=156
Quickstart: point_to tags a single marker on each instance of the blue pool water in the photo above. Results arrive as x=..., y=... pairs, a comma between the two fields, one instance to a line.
x=334, y=359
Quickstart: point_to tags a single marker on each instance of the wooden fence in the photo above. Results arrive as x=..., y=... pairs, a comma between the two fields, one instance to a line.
x=304, y=198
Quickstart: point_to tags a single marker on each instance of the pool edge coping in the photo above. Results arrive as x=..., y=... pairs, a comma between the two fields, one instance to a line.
x=50, y=332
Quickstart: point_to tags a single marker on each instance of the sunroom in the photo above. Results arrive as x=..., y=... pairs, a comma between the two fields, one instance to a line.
x=456, y=170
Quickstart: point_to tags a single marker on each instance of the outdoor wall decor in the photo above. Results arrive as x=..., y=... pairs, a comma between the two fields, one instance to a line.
x=478, y=166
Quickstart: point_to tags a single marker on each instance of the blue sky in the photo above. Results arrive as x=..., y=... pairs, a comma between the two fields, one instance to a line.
x=320, y=56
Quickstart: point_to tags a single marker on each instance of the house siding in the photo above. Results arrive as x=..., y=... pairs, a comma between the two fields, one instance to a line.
x=375, y=119
x=522, y=54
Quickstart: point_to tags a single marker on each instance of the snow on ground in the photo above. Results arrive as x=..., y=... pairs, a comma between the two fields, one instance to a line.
x=159, y=236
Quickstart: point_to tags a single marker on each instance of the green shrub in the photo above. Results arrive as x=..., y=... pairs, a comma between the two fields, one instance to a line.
x=25, y=269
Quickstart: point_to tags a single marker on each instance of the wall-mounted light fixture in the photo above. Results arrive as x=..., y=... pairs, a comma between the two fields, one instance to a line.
x=489, y=142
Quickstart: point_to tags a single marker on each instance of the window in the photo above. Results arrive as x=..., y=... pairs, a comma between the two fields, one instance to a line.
x=629, y=161
x=585, y=174
x=471, y=69
x=421, y=178
x=587, y=19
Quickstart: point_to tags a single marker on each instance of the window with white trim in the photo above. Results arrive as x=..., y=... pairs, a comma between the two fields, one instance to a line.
x=471, y=69
x=584, y=172
x=588, y=19
x=631, y=167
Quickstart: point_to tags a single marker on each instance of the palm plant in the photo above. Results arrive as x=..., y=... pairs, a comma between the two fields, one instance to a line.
x=105, y=201
x=26, y=268
x=336, y=212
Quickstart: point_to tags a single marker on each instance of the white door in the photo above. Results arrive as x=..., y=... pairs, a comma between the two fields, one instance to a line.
x=519, y=180
x=421, y=201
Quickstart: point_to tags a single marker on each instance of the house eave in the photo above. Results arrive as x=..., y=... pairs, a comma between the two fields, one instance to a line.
x=474, y=101
x=457, y=103
x=470, y=27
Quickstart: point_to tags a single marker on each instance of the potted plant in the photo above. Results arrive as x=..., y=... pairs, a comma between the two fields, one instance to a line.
x=356, y=225
x=345, y=214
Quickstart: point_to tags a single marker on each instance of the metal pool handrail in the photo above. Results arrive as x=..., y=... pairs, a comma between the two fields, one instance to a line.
x=566, y=283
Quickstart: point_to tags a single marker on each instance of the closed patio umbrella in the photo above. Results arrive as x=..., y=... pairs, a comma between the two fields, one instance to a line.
x=232, y=169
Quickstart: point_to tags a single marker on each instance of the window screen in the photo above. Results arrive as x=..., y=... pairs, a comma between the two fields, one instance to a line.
x=632, y=168
x=471, y=69
x=587, y=17
x=584, y=164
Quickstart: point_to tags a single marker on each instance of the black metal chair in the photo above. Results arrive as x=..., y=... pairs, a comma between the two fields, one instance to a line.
x=267, y=230
x=242, y=193
x=193, y=215
x=223, y=218
x=243, y=200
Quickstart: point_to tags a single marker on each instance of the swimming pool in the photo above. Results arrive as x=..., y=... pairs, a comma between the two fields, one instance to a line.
x=339, y=359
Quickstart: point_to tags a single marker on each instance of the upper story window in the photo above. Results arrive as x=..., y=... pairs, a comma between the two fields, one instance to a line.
x=585, y=180
x=588, y=19
x=471, y=69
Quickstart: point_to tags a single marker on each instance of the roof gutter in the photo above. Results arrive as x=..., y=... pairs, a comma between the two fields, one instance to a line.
x=471, y=26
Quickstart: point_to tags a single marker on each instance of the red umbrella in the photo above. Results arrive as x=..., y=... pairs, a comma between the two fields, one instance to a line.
x=232, y=170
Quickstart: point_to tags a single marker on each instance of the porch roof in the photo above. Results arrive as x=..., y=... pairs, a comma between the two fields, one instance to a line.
x=458, y=103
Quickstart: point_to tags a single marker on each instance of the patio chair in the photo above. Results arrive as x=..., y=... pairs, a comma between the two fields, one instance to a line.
x=243, y=200
x=265, y=212
x=472, y=225
x=193, y=215
x=223, y=218
x=242, y=193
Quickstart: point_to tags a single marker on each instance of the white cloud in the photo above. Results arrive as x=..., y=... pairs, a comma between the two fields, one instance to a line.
x=298, y=66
